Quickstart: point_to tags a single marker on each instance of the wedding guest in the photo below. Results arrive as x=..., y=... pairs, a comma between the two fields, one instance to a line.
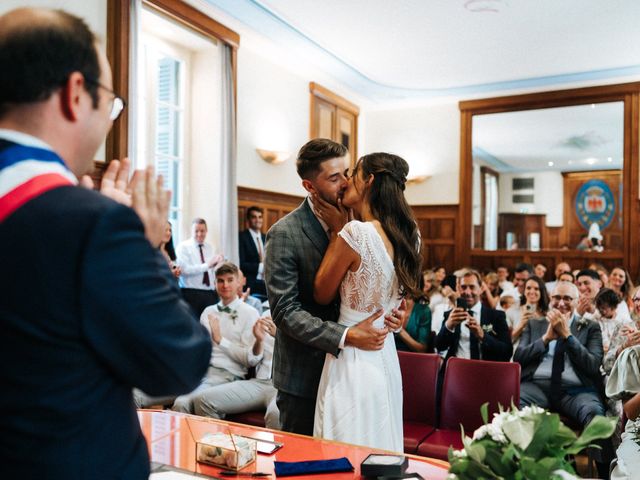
x=168, y=252
x=620, y=282
x=522, y=272
x=414, y=334
x=589, y=284
x=247, y=395
x=475, y=332
x=602, y=271
x=561, y=267
x=534, y=304
x=440, y=274
x=491, y=290
x=245, y=295
x=230, y=324
x=560, y=357
x=635, y=311
x=432, y=289
x=197, y=260
x=565, y=277
x=624, y=385
x=606, y=303
x=540, y=270
x=506, y=302
x=503, y=278
x=251, y=250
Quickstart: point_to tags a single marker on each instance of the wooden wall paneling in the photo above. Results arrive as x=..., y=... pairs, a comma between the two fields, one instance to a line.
x=275, y=205
x=437, y=224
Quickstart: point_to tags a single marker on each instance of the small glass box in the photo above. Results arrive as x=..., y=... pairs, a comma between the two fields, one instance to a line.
x=221, y=450
x=376, y=465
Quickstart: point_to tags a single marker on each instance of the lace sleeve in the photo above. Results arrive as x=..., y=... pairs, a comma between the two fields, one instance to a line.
x=352, y=234
x=625, y=375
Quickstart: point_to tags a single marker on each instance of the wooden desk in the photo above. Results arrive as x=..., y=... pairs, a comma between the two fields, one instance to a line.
x=172, y=439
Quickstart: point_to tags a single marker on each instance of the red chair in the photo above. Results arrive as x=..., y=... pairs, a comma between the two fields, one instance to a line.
x=419, y=381
x=467, y=385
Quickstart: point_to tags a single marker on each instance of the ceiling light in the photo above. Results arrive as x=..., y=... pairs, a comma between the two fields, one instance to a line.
x=591, y=160
x=479, y=6
x=609, y=159
x=593, y=105
x=570, y=162
x=550, y=164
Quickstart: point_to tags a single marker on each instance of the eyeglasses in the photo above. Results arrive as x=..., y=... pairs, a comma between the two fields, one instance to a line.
x=560, y=298
x=117, y=102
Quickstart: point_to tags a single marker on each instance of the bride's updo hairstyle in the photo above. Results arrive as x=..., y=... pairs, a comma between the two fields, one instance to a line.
x=388, y=205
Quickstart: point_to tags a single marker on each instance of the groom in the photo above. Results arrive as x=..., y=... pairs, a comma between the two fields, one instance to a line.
x=307, y=331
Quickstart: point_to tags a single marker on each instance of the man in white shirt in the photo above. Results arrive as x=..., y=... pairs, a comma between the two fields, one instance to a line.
x=197, y=259
x=247, y=395
x=562, y=267
x=474, y=332
x=503, y=278
x=230, y=324
x=251, y=250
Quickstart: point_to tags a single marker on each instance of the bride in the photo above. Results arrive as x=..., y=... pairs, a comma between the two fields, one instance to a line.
x=373, y=262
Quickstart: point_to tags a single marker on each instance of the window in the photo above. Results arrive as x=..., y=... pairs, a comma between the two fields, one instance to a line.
x=162, y=104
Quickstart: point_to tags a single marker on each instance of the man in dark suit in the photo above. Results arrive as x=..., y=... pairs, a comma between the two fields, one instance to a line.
x=474, y=332
x=560, y=357
x=307, y=331
x=90, y=309
x=251, y=249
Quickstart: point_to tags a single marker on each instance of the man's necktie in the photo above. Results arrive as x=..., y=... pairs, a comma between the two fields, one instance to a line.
x=205, y=276
x=556, y=373
x=225, y=309
x=474, y=346
x=259, y=243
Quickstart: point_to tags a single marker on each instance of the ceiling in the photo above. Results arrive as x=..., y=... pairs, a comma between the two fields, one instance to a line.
x=416, y=49
x=577, y=138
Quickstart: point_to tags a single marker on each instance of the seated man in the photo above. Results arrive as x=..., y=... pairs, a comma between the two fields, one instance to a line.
x=475, y=332
x=560, y=358
x=230, y=324
x=247, y=395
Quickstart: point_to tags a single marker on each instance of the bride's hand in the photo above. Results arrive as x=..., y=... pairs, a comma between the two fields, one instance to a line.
x=395, y=320
x=335, y=216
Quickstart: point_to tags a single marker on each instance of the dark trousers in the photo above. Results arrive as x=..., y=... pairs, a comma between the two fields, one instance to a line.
x=198, y=299
x=296, y=413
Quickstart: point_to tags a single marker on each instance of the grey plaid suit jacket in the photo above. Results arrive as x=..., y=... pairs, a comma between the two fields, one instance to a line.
x=306, y=330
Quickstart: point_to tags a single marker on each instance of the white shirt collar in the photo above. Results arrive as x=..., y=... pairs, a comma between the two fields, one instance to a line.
x=233, y=305
x=476, y=309
x=23, y=139
x=255, y=233
x=325, y=227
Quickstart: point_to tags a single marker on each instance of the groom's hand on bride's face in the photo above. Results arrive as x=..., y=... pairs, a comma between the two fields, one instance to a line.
x=365, y=336
x=335, y=216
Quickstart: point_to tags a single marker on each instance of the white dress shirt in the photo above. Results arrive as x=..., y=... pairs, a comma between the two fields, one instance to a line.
x=464, y=344
x=234, y=353
x=257, y=239
x=189, y=260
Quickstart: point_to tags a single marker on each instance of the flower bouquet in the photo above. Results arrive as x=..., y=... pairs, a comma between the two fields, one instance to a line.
x=531, y=443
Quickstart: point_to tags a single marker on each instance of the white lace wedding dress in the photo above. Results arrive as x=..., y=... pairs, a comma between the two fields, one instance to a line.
x=360, y=394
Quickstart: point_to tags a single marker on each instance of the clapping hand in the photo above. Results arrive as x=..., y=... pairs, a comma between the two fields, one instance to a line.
x=214, y=324
x=215, y=260
x=585, y=305
x=335, y=216
x=559, y=322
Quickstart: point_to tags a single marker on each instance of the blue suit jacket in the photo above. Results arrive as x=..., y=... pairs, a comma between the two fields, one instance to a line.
x=89, y=310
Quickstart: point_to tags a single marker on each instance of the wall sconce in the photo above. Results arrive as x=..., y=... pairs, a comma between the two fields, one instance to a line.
x=417, y=179
x=271, y=156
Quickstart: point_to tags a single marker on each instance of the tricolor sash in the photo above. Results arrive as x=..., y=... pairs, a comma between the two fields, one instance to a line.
x=27, y=172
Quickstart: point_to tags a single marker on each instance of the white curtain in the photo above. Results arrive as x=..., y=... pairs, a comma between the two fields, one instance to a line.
x=228, y=198
x=134, y=54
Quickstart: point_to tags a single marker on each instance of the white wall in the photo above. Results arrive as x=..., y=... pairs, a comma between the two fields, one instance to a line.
x=426, y=137
x=548, y=196
x=273, y=114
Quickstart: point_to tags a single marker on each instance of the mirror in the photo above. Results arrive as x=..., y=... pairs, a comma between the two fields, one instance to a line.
x=548, y=178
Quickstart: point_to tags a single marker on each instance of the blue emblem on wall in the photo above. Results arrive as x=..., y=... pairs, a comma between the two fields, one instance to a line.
x=595, y=204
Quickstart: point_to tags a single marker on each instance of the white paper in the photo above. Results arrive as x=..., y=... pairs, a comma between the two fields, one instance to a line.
x=172, y=476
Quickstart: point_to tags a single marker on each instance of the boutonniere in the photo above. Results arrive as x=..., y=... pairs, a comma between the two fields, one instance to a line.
x=488, y=329
x=581, y=322
x=233, y=314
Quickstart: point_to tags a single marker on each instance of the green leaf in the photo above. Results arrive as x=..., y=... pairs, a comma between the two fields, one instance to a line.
x=484, y=412
x=519, y=431
x=530, y=469
x=494, y=460
x=546, y=426
x=563, y=437
x=460, y=466
x=599, y=427
x=476, y=452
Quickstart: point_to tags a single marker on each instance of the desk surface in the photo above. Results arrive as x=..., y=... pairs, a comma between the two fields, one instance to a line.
x=172, y=439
